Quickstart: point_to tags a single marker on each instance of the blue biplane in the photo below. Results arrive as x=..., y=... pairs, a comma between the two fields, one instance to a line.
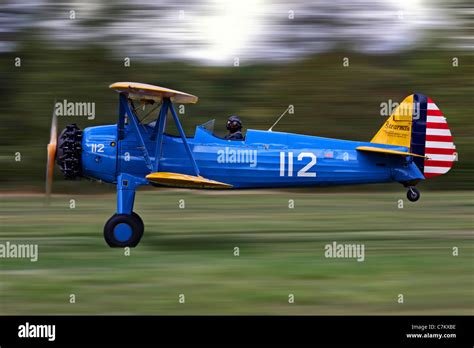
x=414, y=143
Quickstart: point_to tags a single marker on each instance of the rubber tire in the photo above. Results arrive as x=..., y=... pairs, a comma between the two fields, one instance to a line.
x=132, y=221
x=413, y=194
x=139, y=219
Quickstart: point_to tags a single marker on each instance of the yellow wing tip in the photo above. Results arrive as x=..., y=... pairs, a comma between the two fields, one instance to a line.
x=184, y=180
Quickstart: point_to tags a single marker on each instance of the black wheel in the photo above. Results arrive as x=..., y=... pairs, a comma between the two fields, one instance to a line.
x=139, y=219
x=123, y=230
x=413, y=194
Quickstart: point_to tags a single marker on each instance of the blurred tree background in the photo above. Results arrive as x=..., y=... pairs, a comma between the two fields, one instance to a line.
x=330, y=99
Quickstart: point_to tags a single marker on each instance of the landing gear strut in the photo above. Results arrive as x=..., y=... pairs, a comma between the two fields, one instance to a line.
x=125, y=228
x=413, y=194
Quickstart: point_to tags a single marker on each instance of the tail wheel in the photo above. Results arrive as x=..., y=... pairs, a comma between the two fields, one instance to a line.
x=413, y=194
x=123, y=230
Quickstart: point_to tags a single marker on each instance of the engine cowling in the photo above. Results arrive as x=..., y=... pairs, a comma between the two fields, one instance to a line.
x=69, y=152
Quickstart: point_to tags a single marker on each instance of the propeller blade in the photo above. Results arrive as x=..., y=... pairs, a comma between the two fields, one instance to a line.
x=51, y=154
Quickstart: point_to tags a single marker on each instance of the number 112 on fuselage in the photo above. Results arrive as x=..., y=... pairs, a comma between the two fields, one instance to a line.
x=286, y=164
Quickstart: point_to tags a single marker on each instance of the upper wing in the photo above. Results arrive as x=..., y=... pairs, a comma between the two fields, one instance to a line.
x=139, y=91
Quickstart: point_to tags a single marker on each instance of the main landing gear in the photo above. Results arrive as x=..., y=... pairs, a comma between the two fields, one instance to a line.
x=125, y=228
x=413, y=194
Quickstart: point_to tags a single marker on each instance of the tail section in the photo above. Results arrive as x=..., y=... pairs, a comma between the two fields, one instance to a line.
x=418, y=124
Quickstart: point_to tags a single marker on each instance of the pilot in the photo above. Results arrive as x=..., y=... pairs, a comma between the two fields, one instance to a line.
x=234, y=126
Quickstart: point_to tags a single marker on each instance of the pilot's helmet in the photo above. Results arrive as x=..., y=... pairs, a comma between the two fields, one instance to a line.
x=234, y=124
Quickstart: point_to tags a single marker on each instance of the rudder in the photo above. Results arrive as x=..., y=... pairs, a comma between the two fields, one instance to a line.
x=439, y=145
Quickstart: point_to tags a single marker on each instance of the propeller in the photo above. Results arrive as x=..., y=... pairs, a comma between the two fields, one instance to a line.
x=51, y=154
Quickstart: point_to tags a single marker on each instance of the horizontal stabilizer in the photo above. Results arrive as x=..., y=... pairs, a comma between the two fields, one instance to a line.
x=183, y=180
x=387, y=151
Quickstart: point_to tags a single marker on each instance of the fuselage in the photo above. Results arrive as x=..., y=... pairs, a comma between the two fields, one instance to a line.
x=263, y=159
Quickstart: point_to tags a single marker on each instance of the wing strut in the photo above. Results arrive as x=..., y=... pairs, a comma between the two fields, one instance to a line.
x=157, y=134
x=159, y=130
x=183, y=136
x=134, y=122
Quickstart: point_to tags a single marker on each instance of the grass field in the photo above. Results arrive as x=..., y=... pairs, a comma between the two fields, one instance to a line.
x=190, y=251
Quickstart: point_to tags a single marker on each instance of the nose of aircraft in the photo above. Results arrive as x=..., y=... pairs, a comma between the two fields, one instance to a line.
x=68, y=151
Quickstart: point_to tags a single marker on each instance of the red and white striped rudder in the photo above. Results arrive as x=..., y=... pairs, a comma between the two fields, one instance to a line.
x=439, y=146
